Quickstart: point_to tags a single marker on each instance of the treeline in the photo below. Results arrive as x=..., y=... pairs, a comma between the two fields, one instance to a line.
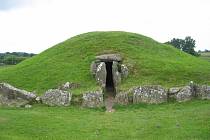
x=14, y=57
x=187, y=45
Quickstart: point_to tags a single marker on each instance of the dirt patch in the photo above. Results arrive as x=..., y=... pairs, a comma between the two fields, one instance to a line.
x=109, y=102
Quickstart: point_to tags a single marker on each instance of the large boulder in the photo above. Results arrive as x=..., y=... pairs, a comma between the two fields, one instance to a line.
x=93, y=99
x=149, y=94
x=14, y=97
x=185, y=94
x=109, y=57
x=56, y=97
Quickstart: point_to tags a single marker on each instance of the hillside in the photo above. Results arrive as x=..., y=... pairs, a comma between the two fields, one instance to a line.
x=149, y=62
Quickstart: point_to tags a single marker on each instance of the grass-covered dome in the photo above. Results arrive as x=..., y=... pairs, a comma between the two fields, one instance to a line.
x=149, y=62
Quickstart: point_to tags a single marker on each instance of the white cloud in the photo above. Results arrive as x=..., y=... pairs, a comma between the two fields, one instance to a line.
x=43, y=23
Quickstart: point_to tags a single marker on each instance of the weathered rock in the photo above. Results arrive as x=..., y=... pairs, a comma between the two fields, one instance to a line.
x=116, y=75
x=109, y=57
x=38, y=99
x=56, y=97
x=193, y=87
x=101, y=74
x=69, y=85
x=93, y=99
x=124, y=71
x=203, y=91
x=172, y=92
x=208, y=92
x=184, y=94
x=149, y=94
x=14, y=97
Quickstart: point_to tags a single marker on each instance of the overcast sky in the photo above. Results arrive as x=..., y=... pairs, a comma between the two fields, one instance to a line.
x=35, y=25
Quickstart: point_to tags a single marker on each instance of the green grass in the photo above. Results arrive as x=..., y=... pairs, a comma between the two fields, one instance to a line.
x=149, y=61
x=179, y=121
x=205, y=56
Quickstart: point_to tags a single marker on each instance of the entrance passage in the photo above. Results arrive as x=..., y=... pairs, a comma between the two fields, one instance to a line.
x=109, y=78
x=109, y=89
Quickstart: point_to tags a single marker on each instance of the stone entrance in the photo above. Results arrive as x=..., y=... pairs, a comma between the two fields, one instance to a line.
x=107, y=70
x=110, y=91
x=109, y=78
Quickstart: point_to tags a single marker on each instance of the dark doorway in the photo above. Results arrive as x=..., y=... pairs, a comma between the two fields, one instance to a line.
x=109, y=78
x=110, y=88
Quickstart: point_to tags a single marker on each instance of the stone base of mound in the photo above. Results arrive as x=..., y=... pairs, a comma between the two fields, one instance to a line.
x=14, y=97
x=153, y=94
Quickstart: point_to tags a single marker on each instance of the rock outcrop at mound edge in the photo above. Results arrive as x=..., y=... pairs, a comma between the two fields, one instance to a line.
x=93, y=99
x=56, y=97
x=157, y=94
x=189, y=92
x=14, y=97
x=149, y=94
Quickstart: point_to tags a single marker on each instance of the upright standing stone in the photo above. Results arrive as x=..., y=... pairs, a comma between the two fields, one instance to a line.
x=101, y=74
x=116, y=75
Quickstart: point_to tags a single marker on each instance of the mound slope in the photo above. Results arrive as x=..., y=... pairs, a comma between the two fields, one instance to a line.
x=149, y=62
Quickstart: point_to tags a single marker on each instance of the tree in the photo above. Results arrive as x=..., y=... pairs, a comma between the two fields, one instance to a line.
x=177, y=43
x=187, y=45
x=14, y=57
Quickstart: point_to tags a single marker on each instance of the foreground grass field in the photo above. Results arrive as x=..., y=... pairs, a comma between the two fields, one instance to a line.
x=181, y=121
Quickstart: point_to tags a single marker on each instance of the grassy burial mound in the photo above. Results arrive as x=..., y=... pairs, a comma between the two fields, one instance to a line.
x=149, y=62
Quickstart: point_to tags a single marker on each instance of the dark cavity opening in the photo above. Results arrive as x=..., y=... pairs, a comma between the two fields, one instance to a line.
x=110, y=92
x=109, y=78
